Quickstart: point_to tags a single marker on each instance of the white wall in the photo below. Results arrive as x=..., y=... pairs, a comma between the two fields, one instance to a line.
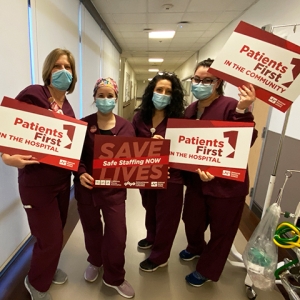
x=15, y=75
x=141, y=85
x=110, y=64
x=187, y=69
x=55, y=24
x=91, y=60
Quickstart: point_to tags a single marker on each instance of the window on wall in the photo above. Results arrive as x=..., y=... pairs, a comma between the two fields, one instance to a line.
x=31, y=43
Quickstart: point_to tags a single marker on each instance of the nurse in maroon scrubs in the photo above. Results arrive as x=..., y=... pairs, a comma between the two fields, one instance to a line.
x=45, y=189
x=163, y=98
x=216, y=202
x=105, y=243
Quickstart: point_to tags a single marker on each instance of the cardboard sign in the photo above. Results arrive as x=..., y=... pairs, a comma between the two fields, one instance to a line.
x=270, y=63
x=218, y=147
x=50, y=137
x=130, y=162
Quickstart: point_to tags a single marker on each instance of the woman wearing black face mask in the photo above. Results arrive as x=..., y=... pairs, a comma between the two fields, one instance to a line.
x=216, y=202
x=45, y=189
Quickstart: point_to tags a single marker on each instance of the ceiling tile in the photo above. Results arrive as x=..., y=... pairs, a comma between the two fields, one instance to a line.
x=117, y=6
x=164, y=18
x=210, y=33
x=211, y=5
x=194, y=26
x=158, y=7
x=241, y=5
x=129, y=18
x=191, y=34
x=134, y=34
x=228, y=16
x=206, y=17
x=217, y=26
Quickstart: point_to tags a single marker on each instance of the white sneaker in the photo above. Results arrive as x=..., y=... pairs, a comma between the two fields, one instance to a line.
x=35, y=294
x=125, y=289
x=91, y=273
x=60, y=277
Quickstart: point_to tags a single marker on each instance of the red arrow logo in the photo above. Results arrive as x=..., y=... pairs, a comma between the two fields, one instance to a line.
x=295, y=71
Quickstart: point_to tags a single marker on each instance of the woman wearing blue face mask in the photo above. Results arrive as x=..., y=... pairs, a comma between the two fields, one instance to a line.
x=105, y=244
x=216, y=202
x=163, y=98
x=45, y=189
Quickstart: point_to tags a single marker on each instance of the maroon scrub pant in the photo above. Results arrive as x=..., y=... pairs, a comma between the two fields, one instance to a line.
x=105, y=245
x=223, y=215
x=46, y=219
x=163, y=211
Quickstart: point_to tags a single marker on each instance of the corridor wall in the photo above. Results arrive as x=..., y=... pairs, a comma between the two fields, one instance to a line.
x=54, y=24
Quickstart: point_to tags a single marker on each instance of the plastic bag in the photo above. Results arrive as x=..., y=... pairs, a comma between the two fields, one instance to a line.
x=260, y=255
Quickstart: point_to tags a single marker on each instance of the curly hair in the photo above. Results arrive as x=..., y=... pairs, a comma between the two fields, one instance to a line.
x=174, y=110
x=207, y=63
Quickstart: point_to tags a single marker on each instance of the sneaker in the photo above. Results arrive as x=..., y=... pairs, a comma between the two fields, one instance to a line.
x=91, y=273
x=35, y=295
x=148, y=266
x=144, y=244
x=187, y=256
x=60, y=277
x=196, y=279
x=125, y=289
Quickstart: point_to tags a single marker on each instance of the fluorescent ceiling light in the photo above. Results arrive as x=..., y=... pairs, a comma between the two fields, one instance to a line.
x=161, y=34
x=155, y=59
x=153, y=70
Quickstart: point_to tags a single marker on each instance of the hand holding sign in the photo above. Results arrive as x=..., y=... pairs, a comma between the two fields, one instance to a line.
x=19, y=161
x=158, y=137
x=205, y=176
x=247, y=96
x=87, y=180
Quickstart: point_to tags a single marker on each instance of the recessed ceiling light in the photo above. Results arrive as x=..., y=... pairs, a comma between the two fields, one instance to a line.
x=149, y=79
x=155, y=59
x=153, y=70
x=161, y=34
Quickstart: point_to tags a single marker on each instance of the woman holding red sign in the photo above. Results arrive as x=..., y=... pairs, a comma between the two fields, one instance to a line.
x=216, y=202
x=104, y=244
x=45, y=189
x=163, y=98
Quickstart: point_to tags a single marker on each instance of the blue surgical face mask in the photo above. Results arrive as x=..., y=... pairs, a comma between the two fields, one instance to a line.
x=160, y=101
x=61, y=79
x=202, y=92
x=105, y=105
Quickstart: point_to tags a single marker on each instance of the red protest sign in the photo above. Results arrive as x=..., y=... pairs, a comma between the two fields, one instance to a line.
x=270, y=63
x=52, y=138
x=219, y=147
x=130, y=162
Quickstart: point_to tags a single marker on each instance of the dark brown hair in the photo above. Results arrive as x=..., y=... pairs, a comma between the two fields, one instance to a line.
x=207, y=63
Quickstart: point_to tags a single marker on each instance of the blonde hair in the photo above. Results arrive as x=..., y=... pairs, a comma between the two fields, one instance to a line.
x=49, y=63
